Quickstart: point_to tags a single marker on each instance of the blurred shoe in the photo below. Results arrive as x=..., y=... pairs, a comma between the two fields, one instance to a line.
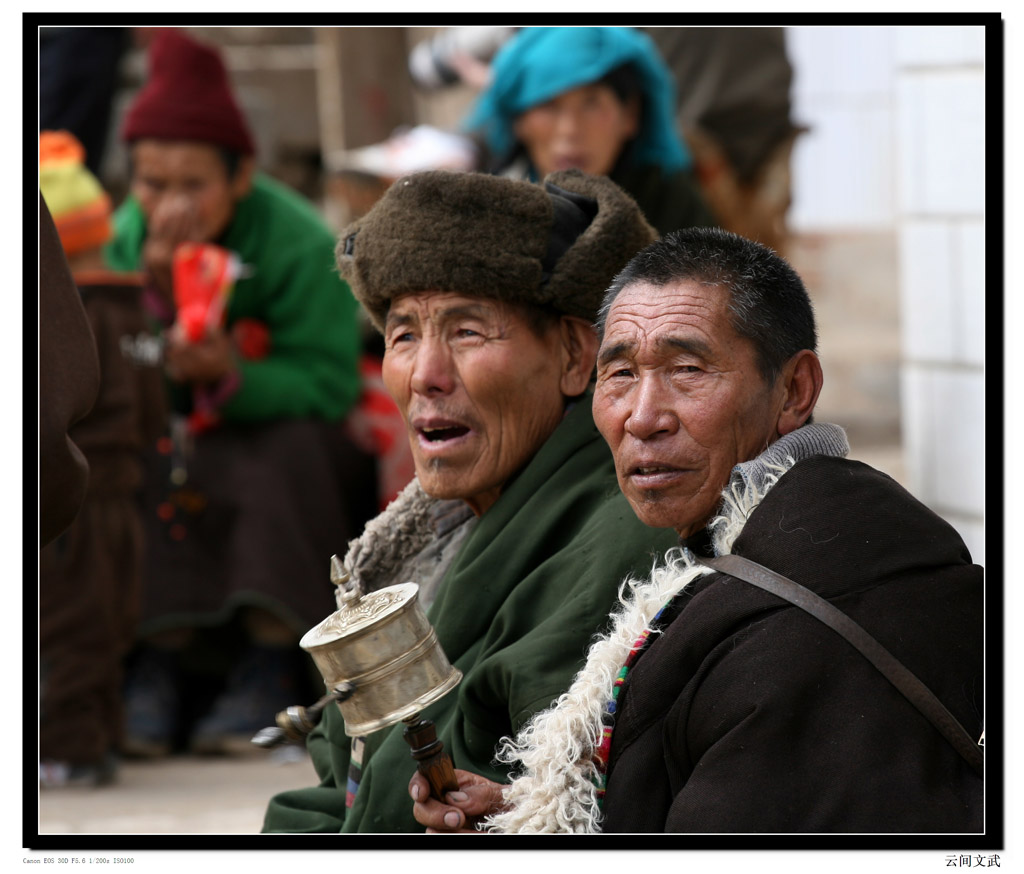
x=264, y=682
x=64, y=775
x=151, y=705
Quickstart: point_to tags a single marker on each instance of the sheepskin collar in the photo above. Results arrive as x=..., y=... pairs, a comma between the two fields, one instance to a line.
x=411, y=526
x=554, y=790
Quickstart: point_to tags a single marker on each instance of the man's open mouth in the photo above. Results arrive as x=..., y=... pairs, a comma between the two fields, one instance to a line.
x=439, y=435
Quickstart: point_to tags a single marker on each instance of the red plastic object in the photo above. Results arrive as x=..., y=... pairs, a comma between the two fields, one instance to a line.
x=204, y=275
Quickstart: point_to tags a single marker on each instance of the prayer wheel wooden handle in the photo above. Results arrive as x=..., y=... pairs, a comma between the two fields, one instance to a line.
x=431, y=759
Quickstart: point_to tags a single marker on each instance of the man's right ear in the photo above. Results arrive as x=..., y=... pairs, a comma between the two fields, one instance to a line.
x=802, y=380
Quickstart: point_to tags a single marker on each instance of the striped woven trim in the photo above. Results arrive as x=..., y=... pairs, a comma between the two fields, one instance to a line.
x=355, y=771
x=603, y=750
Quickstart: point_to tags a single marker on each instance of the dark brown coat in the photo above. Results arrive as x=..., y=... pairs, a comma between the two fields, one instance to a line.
x=90, y=576
x=68, y=381
x=750, y=715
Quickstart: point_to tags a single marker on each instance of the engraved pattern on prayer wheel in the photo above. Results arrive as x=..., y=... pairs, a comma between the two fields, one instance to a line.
x=382, y=643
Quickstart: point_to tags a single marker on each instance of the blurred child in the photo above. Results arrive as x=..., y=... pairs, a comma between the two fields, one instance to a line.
x=243, y=515
x=90, y=576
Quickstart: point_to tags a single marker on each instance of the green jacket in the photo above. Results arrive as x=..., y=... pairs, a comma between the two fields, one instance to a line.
x=294, y=289
x=531, y=585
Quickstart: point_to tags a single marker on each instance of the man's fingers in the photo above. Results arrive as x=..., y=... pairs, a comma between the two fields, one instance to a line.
x=418, y=787
x=433, y=814
x=475, y=798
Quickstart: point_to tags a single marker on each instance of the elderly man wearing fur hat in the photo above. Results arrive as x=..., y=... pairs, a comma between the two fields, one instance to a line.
x=486, y=290
x=724, y=697
x=246, y=505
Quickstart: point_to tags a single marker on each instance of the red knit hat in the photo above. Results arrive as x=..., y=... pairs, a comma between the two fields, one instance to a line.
x=187, y=97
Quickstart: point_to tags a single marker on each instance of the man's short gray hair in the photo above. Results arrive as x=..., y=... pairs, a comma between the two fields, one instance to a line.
x=769, y=303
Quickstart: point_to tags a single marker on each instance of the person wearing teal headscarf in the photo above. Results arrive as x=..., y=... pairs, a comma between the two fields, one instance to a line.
x=597, y=98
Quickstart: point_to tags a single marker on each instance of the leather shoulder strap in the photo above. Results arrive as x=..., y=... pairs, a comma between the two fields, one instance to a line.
x=907, y=683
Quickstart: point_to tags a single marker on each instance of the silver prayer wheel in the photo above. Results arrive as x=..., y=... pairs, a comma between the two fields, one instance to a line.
x=381, y=644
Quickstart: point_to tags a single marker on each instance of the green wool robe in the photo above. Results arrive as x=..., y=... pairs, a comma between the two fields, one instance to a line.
x=531, y=585
x=293, y=287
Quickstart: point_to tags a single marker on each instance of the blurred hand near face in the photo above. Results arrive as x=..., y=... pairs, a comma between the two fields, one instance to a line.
x=206, y=360
x=175, y=220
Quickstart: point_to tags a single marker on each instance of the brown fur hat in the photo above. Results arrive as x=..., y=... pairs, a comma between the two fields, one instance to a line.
x=500, y=238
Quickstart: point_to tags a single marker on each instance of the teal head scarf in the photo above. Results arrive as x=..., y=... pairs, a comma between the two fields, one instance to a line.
x=539, y=63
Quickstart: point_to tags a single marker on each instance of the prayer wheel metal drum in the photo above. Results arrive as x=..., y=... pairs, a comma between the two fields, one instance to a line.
x=382, y=644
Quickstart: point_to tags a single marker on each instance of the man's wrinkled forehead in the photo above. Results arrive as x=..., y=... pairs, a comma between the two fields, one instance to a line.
x=681, y=316
x=439, y=305
x=663, y=345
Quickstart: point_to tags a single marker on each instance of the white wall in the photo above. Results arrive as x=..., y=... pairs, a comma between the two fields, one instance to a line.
x=844, y=167
x=940, y=104
x=897, y=145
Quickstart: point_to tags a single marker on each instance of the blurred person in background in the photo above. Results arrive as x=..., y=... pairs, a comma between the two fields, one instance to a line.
x=734, y=112
x=598, y=99
x=90, y=576
x=732, y=109
x=78, y=78
x=257, y=486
